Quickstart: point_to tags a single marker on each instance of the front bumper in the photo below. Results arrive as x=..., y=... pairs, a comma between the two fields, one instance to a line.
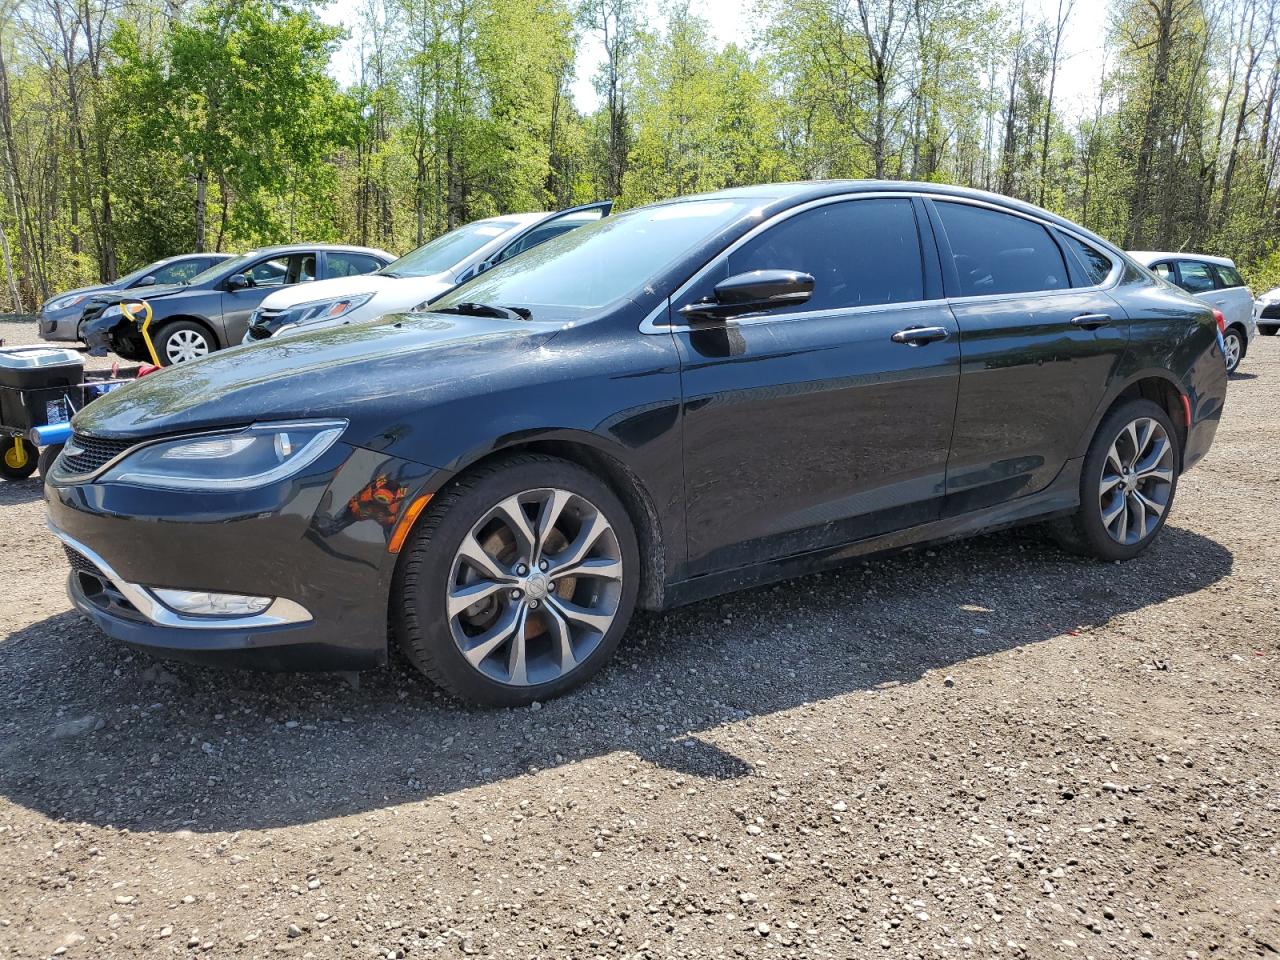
x=304, y=542
x=58, y=328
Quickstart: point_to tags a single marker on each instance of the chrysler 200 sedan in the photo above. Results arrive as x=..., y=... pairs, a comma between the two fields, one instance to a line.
x=689, y=398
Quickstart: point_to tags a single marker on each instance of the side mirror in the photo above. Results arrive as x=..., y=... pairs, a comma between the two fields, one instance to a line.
x=238, y=281
x=754, y=292
x=466, y=274
x=148, y=281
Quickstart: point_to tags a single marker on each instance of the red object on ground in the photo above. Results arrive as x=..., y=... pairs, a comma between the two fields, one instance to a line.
x=145, y=368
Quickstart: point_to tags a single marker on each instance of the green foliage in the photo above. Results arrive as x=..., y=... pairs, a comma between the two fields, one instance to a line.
x=219, y=124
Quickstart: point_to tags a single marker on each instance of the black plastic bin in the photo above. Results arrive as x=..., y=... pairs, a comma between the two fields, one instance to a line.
x=39, y=386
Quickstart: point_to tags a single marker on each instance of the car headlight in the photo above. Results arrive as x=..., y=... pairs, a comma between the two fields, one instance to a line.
x=329, y=309
x=114, y=310
x=61, y=303
x=237, y=460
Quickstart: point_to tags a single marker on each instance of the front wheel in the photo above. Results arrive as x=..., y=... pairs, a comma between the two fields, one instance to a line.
x=1233, y=348
x=1127, y=484
x=519, y=583
x=183, y=341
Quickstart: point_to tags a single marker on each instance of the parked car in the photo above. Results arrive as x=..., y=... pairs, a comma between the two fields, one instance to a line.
x=1266, y=310
x=417, y=278
x=684, y=399
x=60, y=316
x=211, y=310
x=1217, y=282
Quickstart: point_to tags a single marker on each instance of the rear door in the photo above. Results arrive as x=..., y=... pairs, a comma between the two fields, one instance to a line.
x=1040, y=339
x=811, y=426
x=1233, y=297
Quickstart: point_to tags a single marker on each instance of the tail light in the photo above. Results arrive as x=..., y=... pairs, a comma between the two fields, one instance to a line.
x=1222, y=320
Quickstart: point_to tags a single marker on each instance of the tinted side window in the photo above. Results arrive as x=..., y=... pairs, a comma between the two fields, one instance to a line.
x=1229, y=276
x=1164, y=270
x=1097, y=266
x=351, y=264
x=1000, y=253
x=537, y=236
x=1194, y=276
x=859, y=252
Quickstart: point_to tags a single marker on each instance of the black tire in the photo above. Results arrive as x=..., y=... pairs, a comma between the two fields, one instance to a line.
x=1243, y=342
x=174, y=337
x=1268, y=331
x=418, y=613
x=47, y=456
x=17, y=464
x=1084, y=532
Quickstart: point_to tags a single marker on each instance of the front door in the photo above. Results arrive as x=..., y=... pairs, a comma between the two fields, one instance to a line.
x=1040, y=343
x=266, y=276
x=811, y=426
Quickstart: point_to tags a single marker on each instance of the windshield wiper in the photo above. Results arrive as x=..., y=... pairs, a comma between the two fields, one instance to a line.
x=470, y=308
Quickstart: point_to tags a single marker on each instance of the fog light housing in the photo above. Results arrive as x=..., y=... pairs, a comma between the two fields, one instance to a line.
x=204, y=603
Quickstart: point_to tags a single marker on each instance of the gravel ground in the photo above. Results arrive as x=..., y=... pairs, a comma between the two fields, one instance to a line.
x=987, y=748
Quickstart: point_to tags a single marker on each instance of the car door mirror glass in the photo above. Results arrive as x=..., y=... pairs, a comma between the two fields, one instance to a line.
x=754, y=292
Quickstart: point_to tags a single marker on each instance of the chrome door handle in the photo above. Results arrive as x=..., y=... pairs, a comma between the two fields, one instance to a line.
x=1091, y=321
x=915, y=336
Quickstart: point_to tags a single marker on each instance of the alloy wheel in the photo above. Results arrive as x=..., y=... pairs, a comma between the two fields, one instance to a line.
x=184, y=345
x=1137, y=481
x=1231, y=349
x=534, y=587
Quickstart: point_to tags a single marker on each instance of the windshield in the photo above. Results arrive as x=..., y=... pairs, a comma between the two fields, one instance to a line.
x=600, y=262
x=444, y=251
x=141, y=272
x=235, y=263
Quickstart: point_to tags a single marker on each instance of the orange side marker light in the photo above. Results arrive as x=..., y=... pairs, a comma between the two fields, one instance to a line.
x=405, y=523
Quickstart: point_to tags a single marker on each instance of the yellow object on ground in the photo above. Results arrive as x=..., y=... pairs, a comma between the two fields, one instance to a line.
x=132, y=309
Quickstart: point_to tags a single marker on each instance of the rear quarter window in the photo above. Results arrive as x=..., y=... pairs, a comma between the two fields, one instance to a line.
x=1097, y=265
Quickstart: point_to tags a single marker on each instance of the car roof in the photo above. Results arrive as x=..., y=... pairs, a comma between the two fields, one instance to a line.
x=1148, y=257
x=785, y=195
x=307, y=247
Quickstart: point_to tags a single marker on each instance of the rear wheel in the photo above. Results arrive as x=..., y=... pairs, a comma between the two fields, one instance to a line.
x=1233, y=348
x=519, y=583
x=183, y=341
x=17, y=458
x=1127, y=485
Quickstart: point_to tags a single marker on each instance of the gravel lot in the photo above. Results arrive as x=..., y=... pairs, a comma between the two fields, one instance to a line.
x=987, y=748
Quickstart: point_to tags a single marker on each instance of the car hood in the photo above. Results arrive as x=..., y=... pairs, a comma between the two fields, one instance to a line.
x=1270, y=296
x=81, y=291
x=112, y=295
x=401, y=293
x=373, y=374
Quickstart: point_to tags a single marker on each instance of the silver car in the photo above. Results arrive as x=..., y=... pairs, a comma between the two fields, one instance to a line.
x=1217, y=282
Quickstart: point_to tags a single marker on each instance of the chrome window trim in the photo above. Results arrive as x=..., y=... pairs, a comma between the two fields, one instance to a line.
x=650, y=324
x=280, y=613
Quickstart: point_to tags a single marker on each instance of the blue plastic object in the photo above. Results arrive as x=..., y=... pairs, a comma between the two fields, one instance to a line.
x=50, y=434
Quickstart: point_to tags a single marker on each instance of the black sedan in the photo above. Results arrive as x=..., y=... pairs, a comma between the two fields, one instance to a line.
x=689, y=398
x=211, y=310
x=60, y=316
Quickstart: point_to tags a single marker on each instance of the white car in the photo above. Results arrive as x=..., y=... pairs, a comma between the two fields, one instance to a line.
x=417, y=278
x=1266, y=310
x=1217, y=282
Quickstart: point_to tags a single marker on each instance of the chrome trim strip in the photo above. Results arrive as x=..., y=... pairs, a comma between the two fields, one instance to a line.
x=280, y=612
x=650, y=326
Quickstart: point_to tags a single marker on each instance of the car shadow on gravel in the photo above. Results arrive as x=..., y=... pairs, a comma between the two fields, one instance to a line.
x=90, y=731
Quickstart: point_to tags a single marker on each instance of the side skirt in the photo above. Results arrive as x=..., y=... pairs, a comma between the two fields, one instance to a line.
x=1060, y=498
